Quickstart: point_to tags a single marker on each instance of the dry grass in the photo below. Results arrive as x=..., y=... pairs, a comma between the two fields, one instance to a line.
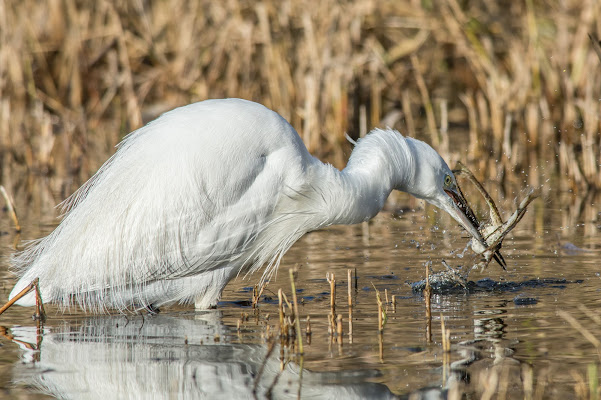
x=521, y=77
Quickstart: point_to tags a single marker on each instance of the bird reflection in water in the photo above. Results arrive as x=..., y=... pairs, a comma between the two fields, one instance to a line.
x=166, y=356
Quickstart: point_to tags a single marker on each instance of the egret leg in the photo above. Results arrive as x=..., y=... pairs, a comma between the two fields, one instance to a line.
x=152, y=309
x=40, y=313
x=34, y=285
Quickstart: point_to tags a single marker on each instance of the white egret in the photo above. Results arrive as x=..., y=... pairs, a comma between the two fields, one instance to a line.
x=211, y=190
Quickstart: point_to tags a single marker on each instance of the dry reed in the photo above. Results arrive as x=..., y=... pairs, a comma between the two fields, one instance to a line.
x=382, y=317
x=11, y=208
x=331, y=278
x=350, y=306
x=427, y=293
x=257, y=292
x=299, y=338
x=524, y=79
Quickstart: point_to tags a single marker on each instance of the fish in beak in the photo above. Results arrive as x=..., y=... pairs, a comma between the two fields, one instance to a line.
x=456, y=206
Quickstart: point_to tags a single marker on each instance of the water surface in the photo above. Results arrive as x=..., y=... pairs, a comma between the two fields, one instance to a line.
x=499, y=340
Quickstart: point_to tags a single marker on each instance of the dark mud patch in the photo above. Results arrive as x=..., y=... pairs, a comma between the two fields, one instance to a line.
x=451, y=284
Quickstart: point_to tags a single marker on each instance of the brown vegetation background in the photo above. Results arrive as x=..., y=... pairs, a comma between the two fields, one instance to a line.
x=512, y=87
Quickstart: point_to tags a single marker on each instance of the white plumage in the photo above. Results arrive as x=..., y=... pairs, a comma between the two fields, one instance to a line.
x=211, y=190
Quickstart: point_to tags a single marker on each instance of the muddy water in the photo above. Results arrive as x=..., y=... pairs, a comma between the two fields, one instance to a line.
x=514, y=343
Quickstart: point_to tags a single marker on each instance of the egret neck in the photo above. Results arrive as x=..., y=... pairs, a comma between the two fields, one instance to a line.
x=380, y=163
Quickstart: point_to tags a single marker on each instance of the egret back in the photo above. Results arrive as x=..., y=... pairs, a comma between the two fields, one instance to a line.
x=185, y=194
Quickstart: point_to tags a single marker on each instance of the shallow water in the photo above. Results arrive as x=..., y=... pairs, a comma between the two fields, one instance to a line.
x=513, y=342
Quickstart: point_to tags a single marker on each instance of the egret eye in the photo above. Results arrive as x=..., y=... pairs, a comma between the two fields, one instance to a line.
x=447, y=180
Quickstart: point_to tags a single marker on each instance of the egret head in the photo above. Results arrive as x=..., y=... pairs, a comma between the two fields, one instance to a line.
x=433, y=181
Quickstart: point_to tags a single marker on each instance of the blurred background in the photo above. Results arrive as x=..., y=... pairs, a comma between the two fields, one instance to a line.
x=513, y=88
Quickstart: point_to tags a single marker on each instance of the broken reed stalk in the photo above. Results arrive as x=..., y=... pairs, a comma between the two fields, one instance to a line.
x=299, y=338
x=287, y=338
x=332, y=281
x=428, y=299
x=381, y=345
x=296, y=314
x=281, y=310
x=350, y=307
x=380, y=319
x=11, y=208
x=381, y=311
x=350, y=297
x=339, y=331
x=446, y=335
x=257, y=292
